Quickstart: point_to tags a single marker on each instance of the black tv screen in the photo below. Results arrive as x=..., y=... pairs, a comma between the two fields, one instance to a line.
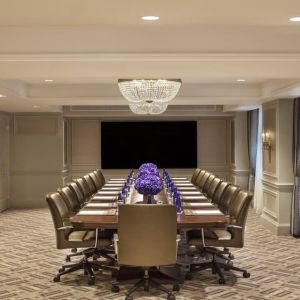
x=126, y=145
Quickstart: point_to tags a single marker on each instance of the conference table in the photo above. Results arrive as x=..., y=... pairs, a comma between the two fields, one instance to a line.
x=90, y=218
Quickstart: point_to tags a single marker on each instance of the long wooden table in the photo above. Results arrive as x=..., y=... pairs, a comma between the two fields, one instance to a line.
x=183, y=221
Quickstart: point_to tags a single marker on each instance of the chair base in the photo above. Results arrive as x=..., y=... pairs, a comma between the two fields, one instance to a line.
x=146, y=282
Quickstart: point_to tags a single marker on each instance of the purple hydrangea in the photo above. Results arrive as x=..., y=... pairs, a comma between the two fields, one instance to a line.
x=147, y=165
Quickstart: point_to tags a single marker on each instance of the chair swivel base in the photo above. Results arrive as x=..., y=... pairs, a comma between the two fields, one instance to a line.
x=146, y=282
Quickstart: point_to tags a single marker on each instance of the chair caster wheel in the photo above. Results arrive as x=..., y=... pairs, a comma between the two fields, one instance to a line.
x=188, y=276
x=222, y=281
x=176, y=287
x=128, y=298
x=61, y=270
x=56, y=279
x=231, y=256
x=246, y=274
x=74, y=250
x=115, y=289
x=171, y=297
x=91, y=280
x=68, y=259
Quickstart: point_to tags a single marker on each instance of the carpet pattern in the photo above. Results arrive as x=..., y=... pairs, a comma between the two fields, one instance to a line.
x=29, y=260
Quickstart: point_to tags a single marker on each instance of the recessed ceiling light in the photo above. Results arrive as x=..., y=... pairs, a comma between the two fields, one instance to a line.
x=295, y=19
x=150, y=18
x=36, y=106
x=49, y=80
x=241, y=80
x=2, y=96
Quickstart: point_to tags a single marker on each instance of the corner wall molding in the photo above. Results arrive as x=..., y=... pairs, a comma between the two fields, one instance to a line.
x=279, y=186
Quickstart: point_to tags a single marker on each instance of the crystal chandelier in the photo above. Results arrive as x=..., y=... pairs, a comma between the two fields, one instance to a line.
x=149, y=96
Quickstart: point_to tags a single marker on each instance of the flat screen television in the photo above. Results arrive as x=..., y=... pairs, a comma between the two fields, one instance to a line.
x=126, y=145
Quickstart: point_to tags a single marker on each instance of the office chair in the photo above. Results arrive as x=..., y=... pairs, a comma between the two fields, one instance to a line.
x=195, y=175
x=67, y=237
x=70, y=199
x=232, y=236
x=216, y=199
x=90, y=183
x=83, y=186
x=147, y=237
x=199, y=177
x=203, y=180
x=208, y=183
x=228, y=196
x=96, y=180
x=213, y=187
x=80, y=196
x=100, y=175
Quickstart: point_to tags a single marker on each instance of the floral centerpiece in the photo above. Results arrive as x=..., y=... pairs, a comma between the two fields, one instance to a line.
x=148, y=182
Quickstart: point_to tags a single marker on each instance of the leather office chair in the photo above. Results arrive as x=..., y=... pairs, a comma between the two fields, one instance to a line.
x=70, y=199
x=213, y=187
x=208, y=183
x=80, y=196
x=100, y=176
x=195, y=175
x=203, y=180
x=232, y=236
x=96, y=180
x=90, y=184
x=83, y=186
x=67, y=237
x=228, y=196
x=146, y=243
x=216, y=199
x=199, y=177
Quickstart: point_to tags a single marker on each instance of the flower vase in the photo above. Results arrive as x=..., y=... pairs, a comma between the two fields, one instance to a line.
x=148, y=199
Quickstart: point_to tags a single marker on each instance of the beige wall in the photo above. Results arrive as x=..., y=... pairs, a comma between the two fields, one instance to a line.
x=4, y=160
x=214, y=147
x=278, y=169
x=36, y=158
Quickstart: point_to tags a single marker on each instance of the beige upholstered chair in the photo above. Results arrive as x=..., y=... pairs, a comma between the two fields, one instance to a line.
x=228, y=196
x=203, y=180
x=213, y=188
x=208, y=183
x=90, y=184
x=232, y=236
x=67, y=237
x=100, y=175
x=80, y=196
x=83, y=186
x=199, y=177
x=147, y=243
x=216, y=199
x=70, y=199
x=195, y=175
x=97, y=181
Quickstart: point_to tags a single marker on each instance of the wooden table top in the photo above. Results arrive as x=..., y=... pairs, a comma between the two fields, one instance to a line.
x=183, y=220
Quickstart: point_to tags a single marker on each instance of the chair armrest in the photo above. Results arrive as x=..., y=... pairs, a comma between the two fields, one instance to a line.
x=234, y=226
x=65, y=227
x=116, y=240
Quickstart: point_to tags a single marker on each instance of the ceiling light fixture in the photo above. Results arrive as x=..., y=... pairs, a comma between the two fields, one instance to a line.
x=2, y=96
x=150, y=18
x=149, y=96
x=36, y=106
x=295, y=19
x=49, y=80
x=241, y=80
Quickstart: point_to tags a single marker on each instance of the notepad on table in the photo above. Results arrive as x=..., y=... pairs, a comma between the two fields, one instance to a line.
x=202, y=212
x=105, y=212
x=113, y=184
x=111, y=188
x=184, y=184
x=193, y=198
x=190, y=193
x=187, y=188
x=179, y=178
x=100, y=193
x=101, y=205
x=116, y=179
x=204, y=204
x=104, y=198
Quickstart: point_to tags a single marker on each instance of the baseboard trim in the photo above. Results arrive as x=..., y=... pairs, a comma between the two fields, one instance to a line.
x=273, y=226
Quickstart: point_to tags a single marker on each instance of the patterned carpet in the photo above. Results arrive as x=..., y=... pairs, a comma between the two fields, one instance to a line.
x=29, y=260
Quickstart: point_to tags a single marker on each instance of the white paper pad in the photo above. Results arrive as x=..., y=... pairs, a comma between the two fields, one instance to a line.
x=179, y=178
x=206, y=212
x=186, y=188
x=113, y=185
x=109, y=188
x=200, y=204
x=201, y=197
x=183, y=184
x=96, y=212
x=190, y=193
x=100, y=193
x=100, y=205
x=104, y=198
x=117, y=179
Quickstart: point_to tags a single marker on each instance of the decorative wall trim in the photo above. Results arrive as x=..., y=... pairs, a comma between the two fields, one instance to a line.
x=270, y=175
x=281, y=187
x=270, y=214
x=240, y=172
x=36, y=173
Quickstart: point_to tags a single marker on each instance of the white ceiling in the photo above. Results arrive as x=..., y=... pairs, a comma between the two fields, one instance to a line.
x=85, y=46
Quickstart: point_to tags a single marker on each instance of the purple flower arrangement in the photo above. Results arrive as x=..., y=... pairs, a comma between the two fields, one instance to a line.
x=148, y=181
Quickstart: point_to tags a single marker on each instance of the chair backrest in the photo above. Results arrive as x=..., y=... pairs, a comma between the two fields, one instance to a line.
x=90, y=183
x=213, y=187
x=238, y=211
x=199, y=177
x=228, y=196
x=147, y=235
x=219, y=192
x=203, y=180
x=208, y=183
x=195, y=175
x=96, y=180
x=83, y=187
x=75, y=188
x=60, y=216
x=100, y=175
x=70, y=198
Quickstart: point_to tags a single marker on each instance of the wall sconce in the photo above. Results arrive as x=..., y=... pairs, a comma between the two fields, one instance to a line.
x=266, y=143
